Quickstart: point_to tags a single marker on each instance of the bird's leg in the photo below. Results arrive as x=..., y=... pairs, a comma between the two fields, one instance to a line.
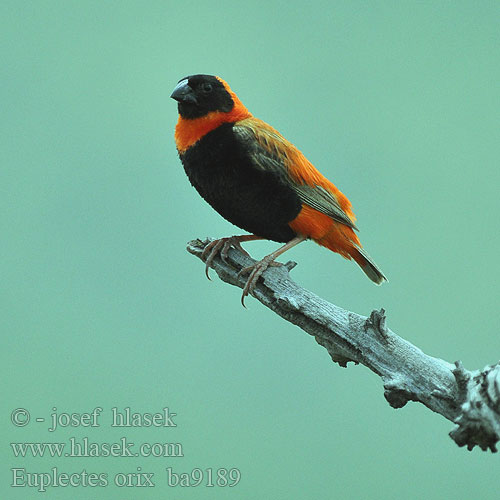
x=222, y=246
x=258, y=268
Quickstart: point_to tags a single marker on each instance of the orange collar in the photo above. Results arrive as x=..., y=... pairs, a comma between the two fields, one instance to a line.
x=188, y=132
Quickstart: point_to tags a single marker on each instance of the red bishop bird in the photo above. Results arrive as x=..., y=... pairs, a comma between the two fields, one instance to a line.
x=259, y=181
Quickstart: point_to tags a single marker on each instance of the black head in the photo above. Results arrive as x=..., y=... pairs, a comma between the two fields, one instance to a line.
x=198, y=95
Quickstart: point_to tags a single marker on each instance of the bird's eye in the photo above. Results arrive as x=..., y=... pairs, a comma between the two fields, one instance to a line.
x=206, y=87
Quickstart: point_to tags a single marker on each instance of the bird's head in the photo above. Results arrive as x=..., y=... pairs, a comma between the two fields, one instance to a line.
x=199, y=95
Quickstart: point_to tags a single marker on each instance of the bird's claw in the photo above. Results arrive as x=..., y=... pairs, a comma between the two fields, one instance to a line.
x=231, y=242
x=255, y=271
x=222, y=247
x=209, y=253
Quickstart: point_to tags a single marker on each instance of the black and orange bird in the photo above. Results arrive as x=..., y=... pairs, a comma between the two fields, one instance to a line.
x=259, y=181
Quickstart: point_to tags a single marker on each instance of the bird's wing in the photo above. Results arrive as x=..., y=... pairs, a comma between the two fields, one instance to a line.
x=270, y=151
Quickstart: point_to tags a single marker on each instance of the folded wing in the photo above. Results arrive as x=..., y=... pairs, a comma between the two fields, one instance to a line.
x=270, y=151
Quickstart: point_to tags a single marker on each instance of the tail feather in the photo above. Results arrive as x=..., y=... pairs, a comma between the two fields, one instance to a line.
x=343, y=240
x=367, y=265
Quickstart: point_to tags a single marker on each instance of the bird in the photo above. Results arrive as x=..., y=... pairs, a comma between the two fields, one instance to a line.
x=258, y=180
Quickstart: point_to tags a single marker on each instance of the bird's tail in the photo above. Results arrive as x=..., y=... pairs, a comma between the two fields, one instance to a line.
x=366, y=263
x=343, y=240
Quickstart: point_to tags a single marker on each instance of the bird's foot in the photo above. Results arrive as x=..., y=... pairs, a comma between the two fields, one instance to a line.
x=221, y=246
x=255, y=272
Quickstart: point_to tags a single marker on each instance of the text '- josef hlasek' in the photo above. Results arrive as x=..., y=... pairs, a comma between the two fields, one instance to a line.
x=119, y=418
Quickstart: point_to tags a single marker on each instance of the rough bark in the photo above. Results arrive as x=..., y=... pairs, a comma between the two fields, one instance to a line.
x=470, y=399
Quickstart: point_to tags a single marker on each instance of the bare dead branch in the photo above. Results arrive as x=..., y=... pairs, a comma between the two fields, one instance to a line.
x=469, y=399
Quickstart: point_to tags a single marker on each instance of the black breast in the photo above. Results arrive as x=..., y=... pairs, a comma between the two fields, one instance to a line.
x=255, y=200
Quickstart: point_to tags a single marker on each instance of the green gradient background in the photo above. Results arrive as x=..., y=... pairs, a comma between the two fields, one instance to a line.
x=396, y=102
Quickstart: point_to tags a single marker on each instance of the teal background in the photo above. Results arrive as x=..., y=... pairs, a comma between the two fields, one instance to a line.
x=396, y=102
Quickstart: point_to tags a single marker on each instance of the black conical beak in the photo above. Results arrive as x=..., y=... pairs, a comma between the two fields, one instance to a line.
x=184, y=93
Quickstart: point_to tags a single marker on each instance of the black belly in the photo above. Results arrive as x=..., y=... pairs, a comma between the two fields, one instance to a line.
x=255, y=200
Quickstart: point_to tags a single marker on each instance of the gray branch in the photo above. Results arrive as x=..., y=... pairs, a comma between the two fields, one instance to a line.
x=470, y=399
